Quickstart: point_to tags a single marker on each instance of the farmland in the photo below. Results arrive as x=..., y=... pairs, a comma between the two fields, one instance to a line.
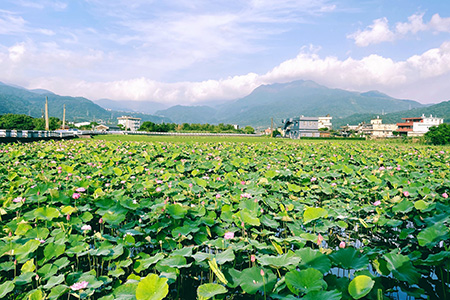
x=230, y=219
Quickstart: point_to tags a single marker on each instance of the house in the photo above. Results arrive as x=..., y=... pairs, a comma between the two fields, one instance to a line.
x=325, y=122
x=376, y=129
x=417, y=126
x=129, y=123
x=104, y=128
x=299, y=127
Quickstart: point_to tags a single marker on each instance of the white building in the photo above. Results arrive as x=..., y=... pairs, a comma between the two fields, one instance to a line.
x=418, y=126
x=129, y=122
x=377, y=129
x=325, y=122
x=82, y=124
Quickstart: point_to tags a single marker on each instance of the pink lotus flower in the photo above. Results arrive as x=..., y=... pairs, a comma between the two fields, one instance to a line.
x=319, y=239
x=445, y=195
x=79, y=285
x=342, y=244
x=376, y=203
x=81, y=190
x=252, y=258
x=246, y=195
x=190, y=185
x=217, y=196
x=76, y=196
x=86, y=227
x=158, y=189
x=68, y=217
x=100, y=221
x=262, y=272
x=313, y=179
x=18, y=199
x=406, y=193
x=229, y=235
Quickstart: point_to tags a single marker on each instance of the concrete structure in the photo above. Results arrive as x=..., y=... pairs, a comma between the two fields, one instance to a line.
x=296, y=128
x=129, y=122
x=325, y=122
x=417, y=126
x=82, y=124
x=377, y=129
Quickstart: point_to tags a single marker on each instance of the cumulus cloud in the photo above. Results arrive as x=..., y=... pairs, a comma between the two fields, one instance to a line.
x=380, y=31
x=368, y=73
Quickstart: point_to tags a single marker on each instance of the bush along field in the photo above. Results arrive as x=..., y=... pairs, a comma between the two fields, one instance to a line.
x=310, y=220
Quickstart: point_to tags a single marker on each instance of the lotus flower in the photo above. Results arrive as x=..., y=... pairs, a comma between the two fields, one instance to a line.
x=81, y=190
x=79, y=285
x=229, y=235
x=76, y=196
x=406, y=193
x=445, y=195
x=86, y=227
x=342, y=244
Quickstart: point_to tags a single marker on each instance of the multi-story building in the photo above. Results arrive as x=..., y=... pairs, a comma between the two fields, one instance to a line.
x=296, y=128
x=130, y=123
x=325, y=122
x=377, y=129
x=417, y=126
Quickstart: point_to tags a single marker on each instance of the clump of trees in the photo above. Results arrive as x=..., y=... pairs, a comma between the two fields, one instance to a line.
x=438, y=135
x=186, y=127
x=24, y=122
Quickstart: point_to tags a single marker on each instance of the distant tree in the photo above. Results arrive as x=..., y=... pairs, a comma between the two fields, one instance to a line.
x=276, y=133
x=249, y=130
x=13, y=121
x=438, y=135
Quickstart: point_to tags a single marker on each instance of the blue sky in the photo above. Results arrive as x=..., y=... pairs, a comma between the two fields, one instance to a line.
x=191, y=51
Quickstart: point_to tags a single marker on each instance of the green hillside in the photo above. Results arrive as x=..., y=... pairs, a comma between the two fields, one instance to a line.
x=441, y=110
x=78, y=109
x=190, y=114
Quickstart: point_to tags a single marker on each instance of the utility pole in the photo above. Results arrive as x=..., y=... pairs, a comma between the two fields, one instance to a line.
x=64, y=117
x=271, y=125
x=47, y=126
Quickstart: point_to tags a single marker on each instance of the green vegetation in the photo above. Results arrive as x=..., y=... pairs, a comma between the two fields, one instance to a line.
x=232, y=220
x=439, y=135
x=24, y=122
x=186, y=127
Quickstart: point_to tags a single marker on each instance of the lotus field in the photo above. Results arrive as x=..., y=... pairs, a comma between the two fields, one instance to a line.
x=224, y=220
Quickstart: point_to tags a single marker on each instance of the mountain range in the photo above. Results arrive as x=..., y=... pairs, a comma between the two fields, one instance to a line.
x=277, y=101
x=18, y=100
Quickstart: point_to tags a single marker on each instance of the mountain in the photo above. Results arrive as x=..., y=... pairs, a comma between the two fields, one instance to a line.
x=190, y=114
x=440, y=110
x=18, y=100
x=146, y=107
x=287, y=100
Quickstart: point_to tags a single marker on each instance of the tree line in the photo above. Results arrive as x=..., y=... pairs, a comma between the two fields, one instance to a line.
x=24, y=122
x=186, y=127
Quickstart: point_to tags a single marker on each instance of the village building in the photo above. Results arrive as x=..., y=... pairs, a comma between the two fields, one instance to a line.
x=417, y=126
x=130, y=123
x=376, y=129
x=299, y=127
x=325, y=122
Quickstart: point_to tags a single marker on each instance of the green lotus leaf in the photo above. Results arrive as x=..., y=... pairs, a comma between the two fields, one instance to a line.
x=176, y=261
x=54, y=280
x=37, y=233
x=126, y=291
x=432, y=235
x=46, y=213
x=350, y=258
x=314, y=213
x=177, y=211
x=401, y=267
x=252, y=281
x=6, y=287
x=35, y=295
x=209, y=290
x=143, y=264
x=279, y=261
x=24, y=278
x=113, y=218
x=152, y=287
x=305, y=281
x=53, y=250
x=311, y=258
x=225, y=256
x=360, y=286
x=57, y=292
x=247, y=217
x=328, y=295
x=404, y=207
x=421, y=205
x=23, y=251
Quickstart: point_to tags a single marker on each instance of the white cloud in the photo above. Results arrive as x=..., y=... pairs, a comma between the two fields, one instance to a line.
x=368, y=73
x=11, y=24
x=380, y=32
x=376, y=33
x=16, y=52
